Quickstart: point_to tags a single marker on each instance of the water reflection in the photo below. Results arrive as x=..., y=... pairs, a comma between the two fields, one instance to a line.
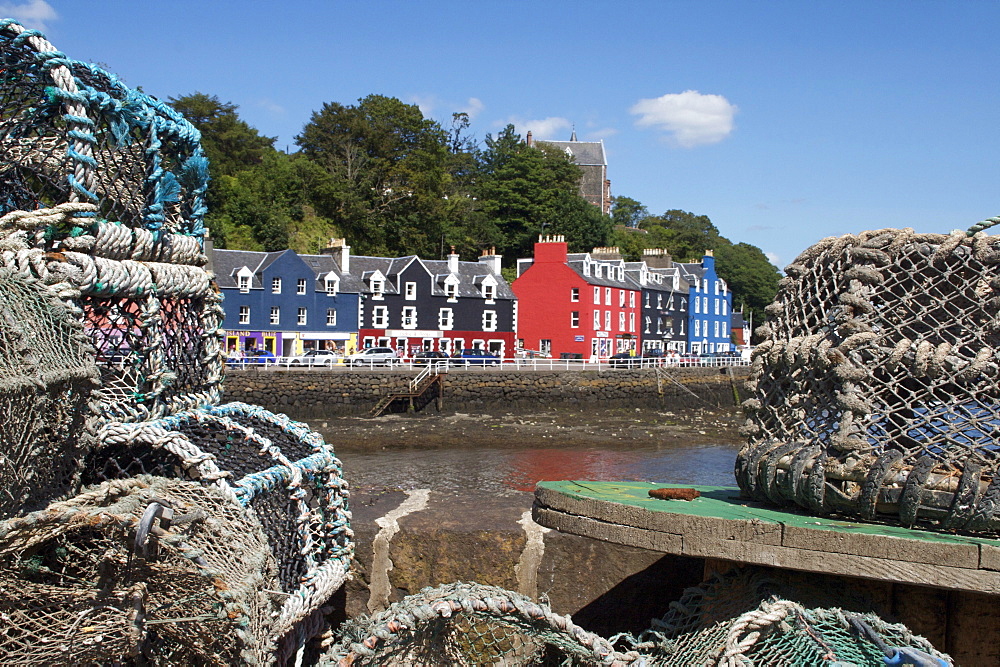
x=500, y=471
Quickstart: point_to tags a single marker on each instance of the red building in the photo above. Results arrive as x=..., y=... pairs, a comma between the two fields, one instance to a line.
x=574, y=304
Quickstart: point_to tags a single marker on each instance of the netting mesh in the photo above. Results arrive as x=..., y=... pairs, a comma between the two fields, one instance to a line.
x=749, y=618
x=280, y=468
x=102, y=193
x=467, y=624
x=47, y=374
x=875, y=385
x=101, y=578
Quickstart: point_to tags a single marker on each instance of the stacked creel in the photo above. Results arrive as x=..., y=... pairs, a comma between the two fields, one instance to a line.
x=102, y=192
x=874, y=385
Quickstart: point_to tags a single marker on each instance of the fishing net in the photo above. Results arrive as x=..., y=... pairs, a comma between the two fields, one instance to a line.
x=47, y=374
x=468, y=624
x=746, y=618
x=874, y=387
x=102, y=193
x=277, y=467
x=139, y=570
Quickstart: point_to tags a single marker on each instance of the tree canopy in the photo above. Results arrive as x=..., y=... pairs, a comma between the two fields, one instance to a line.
x=393, y=182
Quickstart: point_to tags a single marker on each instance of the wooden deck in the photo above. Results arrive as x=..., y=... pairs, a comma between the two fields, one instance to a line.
x=945, y=587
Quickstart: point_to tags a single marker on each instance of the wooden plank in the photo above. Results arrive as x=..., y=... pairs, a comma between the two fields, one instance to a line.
x=608, y=532
x=882, y=546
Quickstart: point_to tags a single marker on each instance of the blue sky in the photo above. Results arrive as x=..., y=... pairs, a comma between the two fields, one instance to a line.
x=784, y=122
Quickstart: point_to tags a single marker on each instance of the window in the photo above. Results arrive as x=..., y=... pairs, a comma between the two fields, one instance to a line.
x=244, y=284
x=489, y=320
x=380, y=317
x=303, y=316
x=659, y=326
x=574, y=294
x=275, y=315
x=607, y=320
x=276, y=285
x=331, y=317
x=411, y=291
x=377, y=286
x=716, y=306
x=697, y=305
x=409, y=317
x=659, y=301
x=704, y=304
x=331, y=283
x=607, y=296
x=597, y=319
x=621, y=321
x=489, y=292
x=631, y=322
x=597, y=296
x=545, y=346
x=598, y=270
x=704, y=285
x=725, y=308
x=648, y=322
x=574, y=319
x=451, y=291
x=446, y=318
x=244, y=314
x=300, y=288
x=647, y=299
x=631, y=299
x=684, y=305
x=697, y=328
x=621, y=298
x=716, y=287
x=715, y=328
x=704, y=326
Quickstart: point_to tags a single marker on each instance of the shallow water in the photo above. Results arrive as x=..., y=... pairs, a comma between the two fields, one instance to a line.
x=503, y=470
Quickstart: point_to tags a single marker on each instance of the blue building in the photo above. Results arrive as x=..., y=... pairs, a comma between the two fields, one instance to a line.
x=287, y=303
x=709, y=307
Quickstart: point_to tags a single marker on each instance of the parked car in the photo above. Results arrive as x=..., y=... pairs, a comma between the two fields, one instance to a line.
x=265, y=357
x=372, y=356
x=689, y=359
x=428, y=356
x=470, y=357
x=315, y=358
x=624, y=360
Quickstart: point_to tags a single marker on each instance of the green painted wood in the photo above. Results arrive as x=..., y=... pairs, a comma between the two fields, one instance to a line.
x=724, y=502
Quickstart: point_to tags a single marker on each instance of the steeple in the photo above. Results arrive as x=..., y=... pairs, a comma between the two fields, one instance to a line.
x=573, y=136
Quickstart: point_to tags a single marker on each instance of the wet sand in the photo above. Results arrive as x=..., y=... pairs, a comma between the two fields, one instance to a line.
x=611, y=428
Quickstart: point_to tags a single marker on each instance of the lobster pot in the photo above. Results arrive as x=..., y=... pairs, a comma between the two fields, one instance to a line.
x=102, y=192
x=280, y=468
x=132, y=568
x=744, y=618
x=47, y=375
x=874, y=389
x=468, y=624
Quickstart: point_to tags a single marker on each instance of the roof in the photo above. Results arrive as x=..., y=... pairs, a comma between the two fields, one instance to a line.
x=584, y=153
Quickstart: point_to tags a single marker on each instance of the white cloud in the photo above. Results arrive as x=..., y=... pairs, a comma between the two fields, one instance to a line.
x=33, y=14
x=271, y=106
x=473, y=107
x=545, y=128
x=603, y=133
x=773, y=258
x=690, y=119
x=425, y=103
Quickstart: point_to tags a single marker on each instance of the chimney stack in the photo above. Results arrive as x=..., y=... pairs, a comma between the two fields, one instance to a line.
x=453, y=261
x=491, y=260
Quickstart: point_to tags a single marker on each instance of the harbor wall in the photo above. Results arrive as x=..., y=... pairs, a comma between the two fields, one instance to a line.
x=319, y=393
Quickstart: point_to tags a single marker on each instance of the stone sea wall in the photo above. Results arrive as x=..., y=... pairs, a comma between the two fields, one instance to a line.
x=319, y=393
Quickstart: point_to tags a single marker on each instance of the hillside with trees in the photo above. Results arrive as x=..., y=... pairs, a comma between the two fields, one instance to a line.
x=393, y=182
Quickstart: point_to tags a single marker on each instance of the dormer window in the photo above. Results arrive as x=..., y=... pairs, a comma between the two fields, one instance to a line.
x=244, y=278
x=489, y=291
x=451, y=290
x=411, y=291
x=598, y=271
x=377, y=287
x=332, y=284
x=244, y=284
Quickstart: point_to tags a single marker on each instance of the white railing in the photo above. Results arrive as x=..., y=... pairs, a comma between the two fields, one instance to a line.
x=517, y=363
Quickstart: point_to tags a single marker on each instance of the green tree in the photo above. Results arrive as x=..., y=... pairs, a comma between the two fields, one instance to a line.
x=751, y=277
x=389, y=173
x=526, y=191
x=628, y=212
